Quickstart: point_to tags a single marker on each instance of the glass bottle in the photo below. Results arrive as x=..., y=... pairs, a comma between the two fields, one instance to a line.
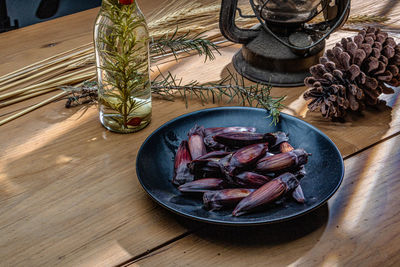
x=288, y=11
x=121, y=41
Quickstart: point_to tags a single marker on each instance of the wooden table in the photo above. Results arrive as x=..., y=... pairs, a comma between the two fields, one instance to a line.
x=69, y=194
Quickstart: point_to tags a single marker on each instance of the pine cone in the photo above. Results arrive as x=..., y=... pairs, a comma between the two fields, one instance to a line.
x=353, y=74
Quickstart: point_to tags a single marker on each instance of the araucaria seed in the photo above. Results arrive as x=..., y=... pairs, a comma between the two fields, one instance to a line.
x=225, y=198
x=245, y=158
x=181, y=171
x=197, y=147
x=202, y=185
x=283, y=161
x=266, y=194
x=251, y=179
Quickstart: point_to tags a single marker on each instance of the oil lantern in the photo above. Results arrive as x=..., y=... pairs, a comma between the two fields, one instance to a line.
x=286, y=43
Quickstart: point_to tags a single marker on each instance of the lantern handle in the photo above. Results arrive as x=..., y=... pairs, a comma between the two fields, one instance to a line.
x=228, y=26
x=341, y=17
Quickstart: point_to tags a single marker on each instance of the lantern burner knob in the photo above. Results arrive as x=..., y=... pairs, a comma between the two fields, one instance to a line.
x=300, y=39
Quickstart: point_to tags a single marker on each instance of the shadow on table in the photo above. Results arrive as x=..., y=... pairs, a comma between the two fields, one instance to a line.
x=227, y=241
x=269, y=234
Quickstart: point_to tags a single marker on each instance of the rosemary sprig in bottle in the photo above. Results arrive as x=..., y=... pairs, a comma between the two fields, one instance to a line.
x=121, y=40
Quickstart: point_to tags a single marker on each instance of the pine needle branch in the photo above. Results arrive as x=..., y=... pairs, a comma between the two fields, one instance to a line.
x=231, y=89
x=85, y=94
x=186, y=42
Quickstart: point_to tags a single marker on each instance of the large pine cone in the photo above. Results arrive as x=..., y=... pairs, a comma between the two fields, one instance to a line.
x=353, y=74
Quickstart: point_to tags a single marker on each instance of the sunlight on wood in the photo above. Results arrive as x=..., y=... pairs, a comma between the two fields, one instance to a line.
x=394, y=102
x=297, y=107
x=330, y=260
x=187, y=68
x=61, y=159
x=108, y=255
x=47, y=135
x=359, y=202
x=8, y=187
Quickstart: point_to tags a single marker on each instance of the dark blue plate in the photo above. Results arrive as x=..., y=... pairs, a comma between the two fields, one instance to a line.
x=155, y=161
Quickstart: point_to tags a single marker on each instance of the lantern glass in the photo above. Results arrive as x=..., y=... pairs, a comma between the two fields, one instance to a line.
x=288, y=11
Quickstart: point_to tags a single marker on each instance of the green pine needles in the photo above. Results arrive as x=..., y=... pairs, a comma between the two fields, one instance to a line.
x=175, y=44
x=231, y=89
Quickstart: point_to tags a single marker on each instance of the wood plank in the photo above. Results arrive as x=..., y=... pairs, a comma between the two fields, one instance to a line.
x=360, y=225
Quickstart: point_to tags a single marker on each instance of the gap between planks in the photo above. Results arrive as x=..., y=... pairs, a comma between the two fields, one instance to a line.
x=156, y=249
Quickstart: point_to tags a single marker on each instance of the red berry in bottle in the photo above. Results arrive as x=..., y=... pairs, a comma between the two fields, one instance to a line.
x=135, y=121
x=126, y=2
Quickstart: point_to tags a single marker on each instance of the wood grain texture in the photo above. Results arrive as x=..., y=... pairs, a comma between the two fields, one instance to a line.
x=69, y=193
x=360, y=226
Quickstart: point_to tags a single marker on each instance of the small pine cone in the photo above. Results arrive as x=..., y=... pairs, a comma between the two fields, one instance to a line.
x=327, y=91
x=353, y=74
